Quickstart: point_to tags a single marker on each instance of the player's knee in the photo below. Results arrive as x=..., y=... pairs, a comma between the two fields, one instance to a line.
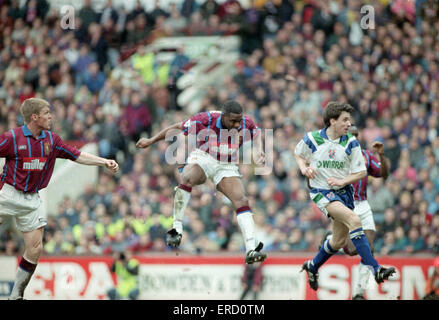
x=337, y=244
x=189, y=181
x=193, y=178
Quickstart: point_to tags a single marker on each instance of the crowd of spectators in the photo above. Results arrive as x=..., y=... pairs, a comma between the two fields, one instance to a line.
x=105, y=86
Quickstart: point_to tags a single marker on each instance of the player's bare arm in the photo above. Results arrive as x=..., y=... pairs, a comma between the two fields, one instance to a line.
x=92, y=160
x=305, y=169
x=378, y=147
x=259, y=154
x=334, y=182
x=146, y=142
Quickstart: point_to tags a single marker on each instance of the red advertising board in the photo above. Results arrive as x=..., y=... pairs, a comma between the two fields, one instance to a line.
x=90, y=277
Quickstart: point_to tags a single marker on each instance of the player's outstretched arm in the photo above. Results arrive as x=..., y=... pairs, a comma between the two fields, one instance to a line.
x=145, y=142
x=92, y=160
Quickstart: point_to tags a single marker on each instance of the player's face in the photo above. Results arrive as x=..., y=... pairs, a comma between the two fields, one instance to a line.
x=44, y=119
x=342, y=124
x=232, y=121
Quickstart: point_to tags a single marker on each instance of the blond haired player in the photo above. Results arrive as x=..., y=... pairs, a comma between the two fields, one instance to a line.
x=30, y=152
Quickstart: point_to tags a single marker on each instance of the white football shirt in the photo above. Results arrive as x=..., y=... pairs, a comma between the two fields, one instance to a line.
x=330, y=158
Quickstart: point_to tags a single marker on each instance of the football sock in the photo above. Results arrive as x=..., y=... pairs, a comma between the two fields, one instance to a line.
x=325, y=252
x=363, y=279
x=362, y=246
x=24, y=273
x=181, y=200
x=247, y=225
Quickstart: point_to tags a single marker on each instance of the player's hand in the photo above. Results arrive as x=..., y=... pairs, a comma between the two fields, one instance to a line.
x=144, y=143
x=378, y=147
x=111, y=165
x=309, y=172
x=334, y=182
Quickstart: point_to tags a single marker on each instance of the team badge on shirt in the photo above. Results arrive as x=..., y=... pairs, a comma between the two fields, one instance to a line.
x=331, y=153
x=46, y=148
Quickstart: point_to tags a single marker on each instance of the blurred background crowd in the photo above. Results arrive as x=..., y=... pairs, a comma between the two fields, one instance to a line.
x=389, y=74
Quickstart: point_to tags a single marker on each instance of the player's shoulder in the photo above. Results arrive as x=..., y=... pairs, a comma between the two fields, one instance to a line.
x=351, y=141
x=213, y=114
x=207, y=115
x=249, y=121
x=316, y=137
x=6, y=134
x=351, y=137
x=52, y=136
x=14, y=133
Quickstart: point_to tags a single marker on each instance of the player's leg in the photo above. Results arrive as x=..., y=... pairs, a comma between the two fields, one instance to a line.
x=191, y=176
x=233, y=188
x=33, y=241
x=339, y=212
x=363, y=272
x=363, y=210
x=326, y=251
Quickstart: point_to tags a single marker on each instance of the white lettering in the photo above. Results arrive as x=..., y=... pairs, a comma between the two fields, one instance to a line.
x=70, y=280
x=68, y=18
x=34, y=164
x=38, y=287
x=334, y=283
x=391, y=289
x=368, y=20
x=100, y=281
x=240, y=309
x=413, y=281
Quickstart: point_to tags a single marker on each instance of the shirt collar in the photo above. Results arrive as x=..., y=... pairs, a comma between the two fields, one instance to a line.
x=325, y=136
x=343, y=138
x=323, y=133
x=27, y=132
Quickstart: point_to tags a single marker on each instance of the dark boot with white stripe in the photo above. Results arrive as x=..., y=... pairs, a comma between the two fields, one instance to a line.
x=255, y=255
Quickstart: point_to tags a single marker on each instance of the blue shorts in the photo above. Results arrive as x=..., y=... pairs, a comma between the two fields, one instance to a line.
x=322, y=197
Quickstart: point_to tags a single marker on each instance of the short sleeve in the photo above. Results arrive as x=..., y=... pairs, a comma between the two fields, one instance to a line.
x=374, y=168
x=5, y=144
x=63, y=150
x=304, y=148
x=197, y=123
x=357, y=160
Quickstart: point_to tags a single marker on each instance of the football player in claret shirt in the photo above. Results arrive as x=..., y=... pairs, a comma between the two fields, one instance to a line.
x=214, y=158
x=335, y=162
x=30, y=152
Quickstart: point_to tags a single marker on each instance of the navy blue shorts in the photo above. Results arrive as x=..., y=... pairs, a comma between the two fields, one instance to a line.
x=322, y=197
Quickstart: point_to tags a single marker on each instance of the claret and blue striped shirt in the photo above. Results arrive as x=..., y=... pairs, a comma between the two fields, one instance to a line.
x=29, y=161
x=373, y=166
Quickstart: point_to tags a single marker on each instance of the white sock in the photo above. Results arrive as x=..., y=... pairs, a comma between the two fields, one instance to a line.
x=181, y=200
x=24, y=274
x=247, y=225
x=363, y=279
